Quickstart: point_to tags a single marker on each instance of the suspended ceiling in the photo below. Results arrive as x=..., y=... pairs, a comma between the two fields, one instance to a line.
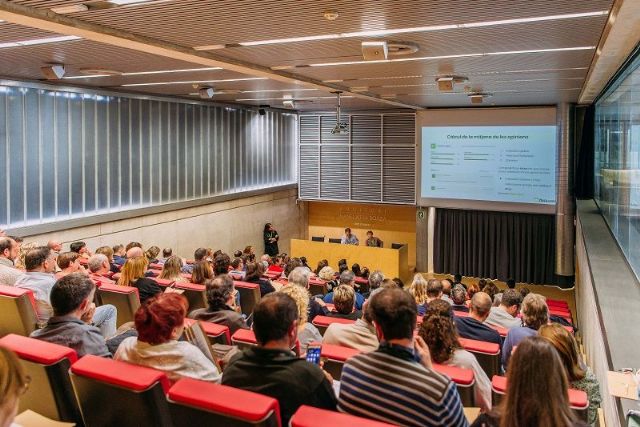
x=543, y=60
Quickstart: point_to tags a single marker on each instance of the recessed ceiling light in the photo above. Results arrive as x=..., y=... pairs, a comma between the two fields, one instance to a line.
x=33, y=42
x=464, y=55
x=194, y=82
x=108, y=73
x=430, y=28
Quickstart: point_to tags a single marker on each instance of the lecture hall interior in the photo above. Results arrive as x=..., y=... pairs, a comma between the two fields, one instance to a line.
x=319, y=213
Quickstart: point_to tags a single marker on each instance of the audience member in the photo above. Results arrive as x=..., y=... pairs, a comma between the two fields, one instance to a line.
x=172, y=270
x=389, y=284
x=135, y=252
x=524, y=292
x=221, y=264
x=9, y=250
x=434, y=290
x=14, y=382
x=343, y=301
x=375, y=280
x=473, y=327
x=447, y=286
x=221, y=301
x=166, y=254
x=119, y=255
x=347, y=278
x=537, y=394
x=505, y=315
x=80, y=248
x=535, y=313
x=133, y=274
x=237, y=268
x=160, y=323
x=202, y=272
x=438, y=330
x=108, y=252
x=307, y=332
x=472, y=289
x=457, y=280
x=360, y=335
x=399, y=282
x=511, y=283
x=55, y=246
x=69, y=263
x=39, y=278
x=349, y=238
x=305, y=264
x=152, y=254
x=98, y=265
x=579, y=375
x=292, y=264
x=321, y=264
x=317, y=307
x=254, y=275
x=271, y=368
x=270, y=237
x=490, y=289
x=73, y=315
x=459, y=299
x=407, y=390
x=418, y=290
x=328, y=274
x=198, y=255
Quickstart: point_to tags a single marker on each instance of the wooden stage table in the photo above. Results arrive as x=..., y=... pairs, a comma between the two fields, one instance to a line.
x=392, y=262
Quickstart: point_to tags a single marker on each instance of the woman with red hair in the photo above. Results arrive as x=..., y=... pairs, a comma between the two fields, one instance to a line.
x=160, y=323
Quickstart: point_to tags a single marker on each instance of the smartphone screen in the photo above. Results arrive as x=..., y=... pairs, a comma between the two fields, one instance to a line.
x=313, y=354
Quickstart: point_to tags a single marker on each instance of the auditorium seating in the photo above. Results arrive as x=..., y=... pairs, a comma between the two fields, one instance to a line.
x=113, y=393
x=578, y=399
x=199, y=403
x=334, y=357
x=323, y=322
x=487, y=354
x=243, y=338
x=216, y=333
x=17, y=311
x=463, y=378
x=317, y=286
x=249, y=295
x=196, y=294
x=125, y=299
x=308, y=416
x=50, y=392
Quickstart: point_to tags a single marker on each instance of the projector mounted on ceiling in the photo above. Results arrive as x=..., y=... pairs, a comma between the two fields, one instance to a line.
x=341, y=128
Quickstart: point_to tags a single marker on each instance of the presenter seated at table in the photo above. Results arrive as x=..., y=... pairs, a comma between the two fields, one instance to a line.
x=373, y=241
x=349, y=238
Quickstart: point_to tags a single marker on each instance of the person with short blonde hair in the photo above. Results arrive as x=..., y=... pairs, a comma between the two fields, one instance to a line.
x=535, y=313
x=307, y=332
x=344, y=298
x=13, y=384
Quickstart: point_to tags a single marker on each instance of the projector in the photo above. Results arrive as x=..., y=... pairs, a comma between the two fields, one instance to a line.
x=340, y=128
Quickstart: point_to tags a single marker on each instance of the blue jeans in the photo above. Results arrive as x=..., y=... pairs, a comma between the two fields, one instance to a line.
x=104, y=319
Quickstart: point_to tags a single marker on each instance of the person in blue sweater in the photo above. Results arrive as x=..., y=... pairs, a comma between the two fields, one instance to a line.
x=535, y=313
x=347, y=278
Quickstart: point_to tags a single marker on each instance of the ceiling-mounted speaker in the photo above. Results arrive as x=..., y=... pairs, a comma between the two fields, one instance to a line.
x=446, y=83
x=372, y=51
x=478, y=97
x=206, y=92
x=53, y=71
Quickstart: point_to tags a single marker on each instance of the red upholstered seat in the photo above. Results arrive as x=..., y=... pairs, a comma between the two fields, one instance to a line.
x=460, y=376
x=216, y=333
x=316, y=281
x=126, y=300
x=308, y=416
x=194, y=293
x=17, y=311
x=249, y=295
x=460, y=313
x=189, y=396
x=502, y=331
x=37, y=351
x=244, y=336
x=12, y=291
x=324, y=321
x=126, y=375
x=577, y=398
x=155, y=266
x=164, y=282
x=480, y=346
x=50, y=393
x=337, y=352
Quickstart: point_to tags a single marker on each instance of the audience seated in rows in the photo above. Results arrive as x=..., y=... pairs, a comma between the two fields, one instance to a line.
x=538, y=390
x=307, y=332
x=73, y=312
x=459, y=299
x=81, y=249
x=221, y=305
x=166, y=254
x=347, y=278
x=160, y=323
x=133, y=274
x=255, y=271
x=39, y=278
x=579, y=375
x=98, y=265
x=108, y=252
x=13, y=384
x=344, y=298
x=237, y=268
x=221, y=264
x=202, y=272
x=473, y=327
x=328, y=274
x=505, y=315
x=69, y=263
x=317, y=307
x=360, y=335
x=199, y=254
x=375, y=281
x=119, y=255
x=272, y=368
x=535, y=313
x=9, y=250
x=447, y=287
x=439, y=331
x=152, y=254
x=418, y=290
x=172, y=270
x=406, y=390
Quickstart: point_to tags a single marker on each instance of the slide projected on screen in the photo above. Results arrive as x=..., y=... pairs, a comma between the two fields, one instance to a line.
x=490, y=163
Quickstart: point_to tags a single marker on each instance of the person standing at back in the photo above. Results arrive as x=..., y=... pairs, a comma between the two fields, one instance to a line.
x=271, y=238
x=396, y=383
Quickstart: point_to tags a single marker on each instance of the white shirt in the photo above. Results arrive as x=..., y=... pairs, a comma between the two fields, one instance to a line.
x=464, y=359
x=499, y=317
x=177, y=359
x=8, y=273
x=40, y=284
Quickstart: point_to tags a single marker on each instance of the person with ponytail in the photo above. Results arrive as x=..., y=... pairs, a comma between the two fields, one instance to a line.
x=439, y=331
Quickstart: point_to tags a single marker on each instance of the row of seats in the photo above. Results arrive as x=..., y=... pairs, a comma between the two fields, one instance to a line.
x=86, y=391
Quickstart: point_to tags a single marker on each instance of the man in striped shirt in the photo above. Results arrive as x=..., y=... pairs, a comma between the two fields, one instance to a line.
x=396, y=383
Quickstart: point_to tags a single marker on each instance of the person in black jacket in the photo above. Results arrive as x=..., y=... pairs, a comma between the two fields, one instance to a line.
x=255, y=270
x=270, y=240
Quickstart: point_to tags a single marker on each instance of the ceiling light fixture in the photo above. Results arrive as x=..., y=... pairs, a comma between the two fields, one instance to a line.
x=464, y=55
x=194, y=82
x=109, y=73
x=72, y=8
x=34, y=42
x=430, y=28
x=53, y=71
